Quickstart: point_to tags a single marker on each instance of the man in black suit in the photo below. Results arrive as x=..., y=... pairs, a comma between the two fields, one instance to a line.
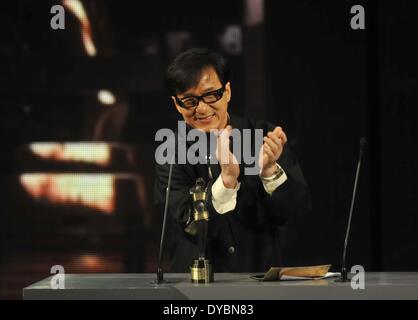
x=245, y=211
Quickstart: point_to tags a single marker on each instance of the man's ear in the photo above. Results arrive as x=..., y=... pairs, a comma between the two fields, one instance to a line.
x=228, y=91
x=176, y=105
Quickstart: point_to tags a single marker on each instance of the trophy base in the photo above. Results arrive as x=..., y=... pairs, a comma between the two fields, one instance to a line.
x=201, y=271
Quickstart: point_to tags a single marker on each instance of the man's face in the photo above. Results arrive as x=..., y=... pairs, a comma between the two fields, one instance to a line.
x=206, y=116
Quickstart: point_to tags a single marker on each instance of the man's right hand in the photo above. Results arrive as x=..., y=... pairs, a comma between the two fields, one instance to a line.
x=228, y=162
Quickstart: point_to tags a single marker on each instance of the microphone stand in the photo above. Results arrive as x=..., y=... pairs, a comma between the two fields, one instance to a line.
x=160, y=274
x=344, y=276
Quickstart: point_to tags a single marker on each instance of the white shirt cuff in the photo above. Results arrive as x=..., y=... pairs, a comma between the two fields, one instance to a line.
x=224, y=199
x=273, y=185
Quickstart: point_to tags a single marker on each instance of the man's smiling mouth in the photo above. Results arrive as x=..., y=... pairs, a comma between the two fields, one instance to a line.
x=205, y=118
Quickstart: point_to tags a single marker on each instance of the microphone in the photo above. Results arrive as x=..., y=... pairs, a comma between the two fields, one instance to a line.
x=344, y=277
x=160, y=273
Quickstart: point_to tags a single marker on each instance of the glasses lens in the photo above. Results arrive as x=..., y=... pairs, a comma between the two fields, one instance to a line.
x=213, y=96
x=189, y=102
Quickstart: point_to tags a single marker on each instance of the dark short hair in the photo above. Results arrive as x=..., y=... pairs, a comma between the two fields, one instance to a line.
x=183, y=73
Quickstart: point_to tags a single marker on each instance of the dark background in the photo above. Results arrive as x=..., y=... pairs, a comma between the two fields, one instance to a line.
x=301, y=67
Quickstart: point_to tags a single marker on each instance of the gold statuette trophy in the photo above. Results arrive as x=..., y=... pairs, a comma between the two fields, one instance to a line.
x=201, y=269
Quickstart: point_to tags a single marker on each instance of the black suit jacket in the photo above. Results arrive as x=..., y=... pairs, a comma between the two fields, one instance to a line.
x=245, y=239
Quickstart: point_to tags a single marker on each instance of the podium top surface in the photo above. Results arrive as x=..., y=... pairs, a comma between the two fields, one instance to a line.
x=384, y=285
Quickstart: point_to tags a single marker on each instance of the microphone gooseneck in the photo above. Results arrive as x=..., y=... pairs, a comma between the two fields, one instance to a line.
x=160, y=273
x=344, y=276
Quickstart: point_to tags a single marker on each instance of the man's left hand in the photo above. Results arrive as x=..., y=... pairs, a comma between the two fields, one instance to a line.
x=271, y=151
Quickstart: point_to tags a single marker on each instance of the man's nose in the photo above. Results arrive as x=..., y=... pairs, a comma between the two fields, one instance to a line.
x=202, y=107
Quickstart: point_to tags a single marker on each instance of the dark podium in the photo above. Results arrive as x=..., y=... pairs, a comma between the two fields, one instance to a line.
x=393, y=285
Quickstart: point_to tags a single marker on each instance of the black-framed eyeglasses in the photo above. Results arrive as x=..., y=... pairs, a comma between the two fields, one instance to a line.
x=191, y=102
